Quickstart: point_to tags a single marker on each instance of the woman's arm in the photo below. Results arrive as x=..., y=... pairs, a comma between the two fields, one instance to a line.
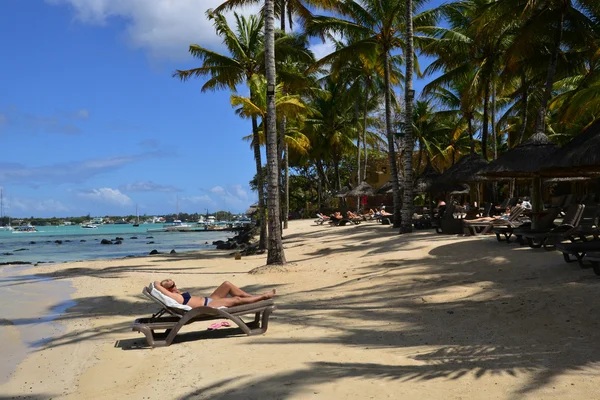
x=175, y=296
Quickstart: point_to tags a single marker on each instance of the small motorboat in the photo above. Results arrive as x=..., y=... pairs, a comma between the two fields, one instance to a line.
x=89, y=226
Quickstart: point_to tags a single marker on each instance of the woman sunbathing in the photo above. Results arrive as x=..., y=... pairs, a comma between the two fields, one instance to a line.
x=219, y=298
x=490, y=219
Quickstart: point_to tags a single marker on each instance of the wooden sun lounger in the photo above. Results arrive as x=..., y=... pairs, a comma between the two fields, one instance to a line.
x=594, y=259
x=178, y=318
x=578, y=250
x=483, y=227
x=565, y=231
x=545, y=224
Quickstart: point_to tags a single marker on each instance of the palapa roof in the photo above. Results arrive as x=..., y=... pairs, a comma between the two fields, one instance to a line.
x=581, y=156
x=523, y=160
x=465, y=170
x=425, y=181
x=363, y=189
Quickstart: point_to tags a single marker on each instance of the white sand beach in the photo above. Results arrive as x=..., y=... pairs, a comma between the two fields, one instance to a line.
x=362, y=313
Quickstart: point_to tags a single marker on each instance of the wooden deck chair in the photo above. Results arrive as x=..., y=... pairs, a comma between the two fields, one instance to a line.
x=447, y=224
x=578, y=250
x=545, y=224
x=483, y=227
x=594, y=259
x=181, y=315
x=558, y=234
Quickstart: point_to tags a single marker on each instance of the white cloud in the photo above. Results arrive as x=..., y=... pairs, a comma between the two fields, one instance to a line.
x=218, y=190
x=163, y=27
x=48, y=206
x=106, y=196
x=148, y=186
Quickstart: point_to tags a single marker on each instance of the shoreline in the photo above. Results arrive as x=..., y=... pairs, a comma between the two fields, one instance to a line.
x=361, y=310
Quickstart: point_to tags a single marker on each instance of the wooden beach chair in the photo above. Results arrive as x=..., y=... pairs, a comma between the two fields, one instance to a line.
x=565, y=231
x=594, y=259
x=447, y=224
x=483, y=227
x=578, y=250
x=545, y=223
x=181, y=315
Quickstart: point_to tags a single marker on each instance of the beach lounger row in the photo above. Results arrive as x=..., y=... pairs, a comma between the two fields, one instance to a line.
x=576, y=236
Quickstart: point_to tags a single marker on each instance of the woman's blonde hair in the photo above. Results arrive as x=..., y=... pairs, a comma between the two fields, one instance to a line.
x=163, y=283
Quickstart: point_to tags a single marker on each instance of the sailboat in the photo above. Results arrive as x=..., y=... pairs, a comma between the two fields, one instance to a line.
x=5, y=228
x=137, y=223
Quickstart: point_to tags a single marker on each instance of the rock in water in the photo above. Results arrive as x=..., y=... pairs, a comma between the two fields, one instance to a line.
x=173, y=252
x=154, y=252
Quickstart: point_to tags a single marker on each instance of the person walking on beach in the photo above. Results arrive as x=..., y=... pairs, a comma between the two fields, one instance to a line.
x=226, y=295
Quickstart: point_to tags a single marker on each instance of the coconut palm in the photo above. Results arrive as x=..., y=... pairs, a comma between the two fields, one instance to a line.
x=374, y=24
x=246, y=58
x=275, y=254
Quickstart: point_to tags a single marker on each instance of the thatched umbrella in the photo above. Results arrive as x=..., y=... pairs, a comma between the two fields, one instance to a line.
x=425, y=181
x=524, y=160
x=363, y=189
x=461, y=188
x=341, y=193
x=465, y=170
x=386, y=188
x=580, y=157
x=253, y=208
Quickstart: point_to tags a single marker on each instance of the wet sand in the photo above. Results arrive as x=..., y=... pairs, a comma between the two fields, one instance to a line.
x=362, y=313
x=29, y=306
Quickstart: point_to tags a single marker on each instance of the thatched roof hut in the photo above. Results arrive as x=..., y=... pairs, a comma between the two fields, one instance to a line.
x=363, y=189
x=465, y=170
x=425, y=181
x=523, y=160
x=581, y=156
x=252, y=209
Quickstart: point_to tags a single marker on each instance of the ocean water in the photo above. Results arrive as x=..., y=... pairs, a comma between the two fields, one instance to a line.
x=84, y=244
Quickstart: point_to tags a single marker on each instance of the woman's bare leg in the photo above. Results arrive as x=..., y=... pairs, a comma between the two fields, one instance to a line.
x=228, y=289
x=238, y=301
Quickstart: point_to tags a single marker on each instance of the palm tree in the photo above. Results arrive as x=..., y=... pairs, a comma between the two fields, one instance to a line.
x=374, y=24
x=275, y=254
x=407, y=201
x=227, y=72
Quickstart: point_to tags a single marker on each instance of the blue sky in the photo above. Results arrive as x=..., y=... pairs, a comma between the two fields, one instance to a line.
x=91, y=120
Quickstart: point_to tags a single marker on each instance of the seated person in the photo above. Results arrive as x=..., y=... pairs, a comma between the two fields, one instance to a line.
x=385, y=213
x=336, y=217
x=351, y=215
x=226, y=295
x=322, y=216
x=526, y=204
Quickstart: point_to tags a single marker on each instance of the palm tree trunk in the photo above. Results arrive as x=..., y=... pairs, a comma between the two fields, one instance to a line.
x=286, y=203
x=282, y=19
x=407, y=201
x=356, y=114
x=470, y=128
x=275, y=254
x=367, y=89
x=262, y=242
x=390, y=138
x=419, y=157
x=484, y=132
x=525, y=89
x=540, y=123
x=494, y=135
x=495, y=140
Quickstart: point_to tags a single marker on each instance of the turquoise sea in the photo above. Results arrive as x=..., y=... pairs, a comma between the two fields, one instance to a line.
x=84, y=244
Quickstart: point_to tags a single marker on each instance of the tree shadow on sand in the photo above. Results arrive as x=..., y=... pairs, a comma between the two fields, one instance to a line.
x=503, y=313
